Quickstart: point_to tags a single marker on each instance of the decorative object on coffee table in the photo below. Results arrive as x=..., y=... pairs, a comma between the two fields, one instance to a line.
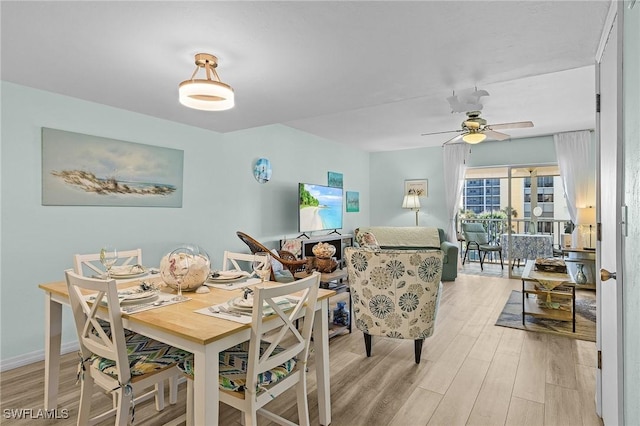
x=581, y=278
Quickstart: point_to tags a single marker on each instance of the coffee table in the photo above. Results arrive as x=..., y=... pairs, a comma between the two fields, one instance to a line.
x=560, y=286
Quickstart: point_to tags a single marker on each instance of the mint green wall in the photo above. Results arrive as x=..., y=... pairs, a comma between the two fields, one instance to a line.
x=220, y=197
x=389, y=170
x=631, y=285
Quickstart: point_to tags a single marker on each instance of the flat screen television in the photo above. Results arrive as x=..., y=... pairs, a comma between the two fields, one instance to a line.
x=319, y=207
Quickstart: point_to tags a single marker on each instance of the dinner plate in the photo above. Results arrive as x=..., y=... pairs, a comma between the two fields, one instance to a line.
x=136, y=296
x=229, y=277
x=147, y=298
x=132, y=272
x=242, y=303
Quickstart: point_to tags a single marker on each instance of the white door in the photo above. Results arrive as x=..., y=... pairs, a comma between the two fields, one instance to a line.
x=610, y=248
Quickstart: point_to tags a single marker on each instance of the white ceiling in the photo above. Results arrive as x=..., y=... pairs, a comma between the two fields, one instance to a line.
x=370, y=74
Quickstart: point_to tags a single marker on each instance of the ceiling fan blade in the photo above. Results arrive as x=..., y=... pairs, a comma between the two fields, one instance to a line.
x=516, y=125
x=496, y=135
x=439, y=133
x=454, y=139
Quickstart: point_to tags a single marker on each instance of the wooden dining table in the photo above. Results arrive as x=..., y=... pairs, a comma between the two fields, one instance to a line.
x=204, y=336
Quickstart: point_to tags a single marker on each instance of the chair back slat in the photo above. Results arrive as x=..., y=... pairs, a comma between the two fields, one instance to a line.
x=297, y=342
x=93, y=337
x=230, y=262
x=84, y=263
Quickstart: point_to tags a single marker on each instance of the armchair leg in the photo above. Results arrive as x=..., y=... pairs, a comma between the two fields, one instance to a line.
x=418, y=349
x=367, y=343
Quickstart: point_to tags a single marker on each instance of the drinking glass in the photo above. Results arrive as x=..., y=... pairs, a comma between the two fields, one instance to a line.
x=108, y=258
x=262, y=266
x=179, y=263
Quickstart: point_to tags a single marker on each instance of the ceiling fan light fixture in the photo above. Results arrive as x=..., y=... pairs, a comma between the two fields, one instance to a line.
x=474, y=138
x=208, y=94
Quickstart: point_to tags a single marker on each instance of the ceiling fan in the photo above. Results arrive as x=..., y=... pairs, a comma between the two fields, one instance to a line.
x=475, y=129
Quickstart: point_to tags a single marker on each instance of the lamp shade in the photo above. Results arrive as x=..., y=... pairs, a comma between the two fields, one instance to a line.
x=411, y=202
x=586, y=216
x=474, y=137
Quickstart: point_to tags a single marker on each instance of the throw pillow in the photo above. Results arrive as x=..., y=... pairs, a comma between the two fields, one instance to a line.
x=369, y=241
x=276, y=265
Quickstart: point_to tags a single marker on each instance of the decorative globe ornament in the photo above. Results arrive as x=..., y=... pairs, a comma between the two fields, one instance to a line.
x=192, y=256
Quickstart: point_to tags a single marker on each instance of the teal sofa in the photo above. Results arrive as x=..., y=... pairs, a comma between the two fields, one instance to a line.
x=416, y=237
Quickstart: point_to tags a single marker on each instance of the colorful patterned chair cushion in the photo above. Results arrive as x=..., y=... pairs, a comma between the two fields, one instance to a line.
x=233, y=367
x=145, y=356
x=395, y=293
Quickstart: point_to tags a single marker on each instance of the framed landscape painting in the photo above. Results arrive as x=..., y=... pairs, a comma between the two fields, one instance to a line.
x=83, y=170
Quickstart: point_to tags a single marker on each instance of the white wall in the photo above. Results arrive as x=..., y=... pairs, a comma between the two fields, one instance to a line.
x=390, y=169
x=221, y=197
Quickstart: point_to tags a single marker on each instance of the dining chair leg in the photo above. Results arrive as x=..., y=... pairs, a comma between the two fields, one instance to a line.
x=159, y=395
x=173, y=390
x=86, y=393
x=303, y=405
x=122, y=413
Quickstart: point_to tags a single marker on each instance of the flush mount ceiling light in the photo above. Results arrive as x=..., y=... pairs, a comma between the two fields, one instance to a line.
x=207, y=95
x=474, y=137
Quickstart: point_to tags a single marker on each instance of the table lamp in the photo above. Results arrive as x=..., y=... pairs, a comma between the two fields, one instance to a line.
x=587, y=216
x=412, y=202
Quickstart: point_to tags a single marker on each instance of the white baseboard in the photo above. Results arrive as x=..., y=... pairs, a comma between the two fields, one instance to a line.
x=36, y=356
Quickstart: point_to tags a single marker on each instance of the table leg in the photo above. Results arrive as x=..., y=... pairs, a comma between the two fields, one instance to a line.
x=523, y=294
x=574, y=307
x=52, y=339
x=321, y=350
x=206, y=395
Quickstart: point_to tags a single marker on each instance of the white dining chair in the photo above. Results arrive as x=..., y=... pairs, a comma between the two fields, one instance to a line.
x=89, y=264
x=255, y=372
x=125, y=364
x=230, y=261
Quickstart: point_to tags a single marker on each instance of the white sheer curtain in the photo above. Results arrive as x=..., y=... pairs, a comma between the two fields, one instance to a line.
x=455, y=158
x=577, y=169
x=575, y=159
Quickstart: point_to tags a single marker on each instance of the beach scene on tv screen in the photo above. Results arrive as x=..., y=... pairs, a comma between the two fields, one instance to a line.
x=320, y=207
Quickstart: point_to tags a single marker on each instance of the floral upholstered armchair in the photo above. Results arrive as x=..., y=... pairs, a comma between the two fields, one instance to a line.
x=395, y=293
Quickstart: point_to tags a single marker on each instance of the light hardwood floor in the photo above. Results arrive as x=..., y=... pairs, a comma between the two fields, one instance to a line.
x=472, y=373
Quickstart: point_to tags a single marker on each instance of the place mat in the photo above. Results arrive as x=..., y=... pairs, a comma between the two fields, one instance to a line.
x=241, y=316
x=158, y=300
x=233, y=285
x=163, y=299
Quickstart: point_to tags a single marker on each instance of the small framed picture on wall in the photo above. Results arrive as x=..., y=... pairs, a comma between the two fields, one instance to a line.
x=416, y=187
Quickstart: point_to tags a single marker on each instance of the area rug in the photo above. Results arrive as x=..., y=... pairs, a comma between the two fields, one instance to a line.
x=511, y=317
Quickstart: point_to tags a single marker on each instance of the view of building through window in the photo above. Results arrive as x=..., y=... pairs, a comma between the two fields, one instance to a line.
x=536, y=204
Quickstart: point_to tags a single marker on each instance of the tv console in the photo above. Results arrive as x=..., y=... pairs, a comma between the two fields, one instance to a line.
x=339, y=241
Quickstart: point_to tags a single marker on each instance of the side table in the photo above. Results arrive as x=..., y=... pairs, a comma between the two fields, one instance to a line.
x=333, y=281
x=574, y=256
